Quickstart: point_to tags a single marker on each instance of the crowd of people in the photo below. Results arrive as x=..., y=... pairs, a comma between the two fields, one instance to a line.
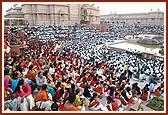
x=122, y=29
x=67, y=74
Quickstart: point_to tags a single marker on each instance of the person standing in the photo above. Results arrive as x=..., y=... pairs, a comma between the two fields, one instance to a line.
x=130, y=71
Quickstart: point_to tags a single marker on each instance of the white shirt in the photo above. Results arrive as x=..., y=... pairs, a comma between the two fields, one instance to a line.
x=40, y=81
x=51, y=71
x=129, y=95
x=131, y=68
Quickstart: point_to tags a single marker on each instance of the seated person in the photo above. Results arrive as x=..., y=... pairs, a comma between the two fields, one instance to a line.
x=112, y=105
x=129, y=96
x=157, y=91
x=24, y=98
x=42, y=99
x=40, y=80
x=145, y=94
x=95, y=105
x=68, y=106
x=8, y=98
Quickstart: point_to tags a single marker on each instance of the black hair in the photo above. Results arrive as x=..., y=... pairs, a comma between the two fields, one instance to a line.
x=63, y=80
x=39, y=73
x=62, y=91
x=77, y=91
x=21, y=82
x=6, y=71
x=111, y=91
x=51, y=64
x=145, y=91
x=123, y=93
x=101, y=82
x=73, y=87
x=14, y=74
x=72, y=97
x=134, y=85
x=54, y=107
x=94, y=95
x=94, y=78
x=58, y=84
x=45, y=73
x=128, y=89
x=109, y=98
x=44, y=87
x=30, y=67
x=19, y=68
x=87, y=87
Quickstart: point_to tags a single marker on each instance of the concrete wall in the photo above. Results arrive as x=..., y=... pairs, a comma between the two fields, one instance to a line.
x=156, y=17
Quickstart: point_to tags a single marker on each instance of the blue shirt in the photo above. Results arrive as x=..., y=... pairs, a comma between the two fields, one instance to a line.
x=15, y=83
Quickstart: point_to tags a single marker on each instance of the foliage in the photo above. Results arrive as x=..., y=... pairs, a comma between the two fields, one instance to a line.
x=156, y=104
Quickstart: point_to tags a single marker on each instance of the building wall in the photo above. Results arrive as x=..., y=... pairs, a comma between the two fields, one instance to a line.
x=93, y=15
x=51, y=14
x=153, y=17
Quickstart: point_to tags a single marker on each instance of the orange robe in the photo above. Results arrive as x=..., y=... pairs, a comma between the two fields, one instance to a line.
x=156, y=92
x=31, y=75
x=73, y=108
x=94, y=103
x=144, y=96
x=42, y=95
x=99, y=89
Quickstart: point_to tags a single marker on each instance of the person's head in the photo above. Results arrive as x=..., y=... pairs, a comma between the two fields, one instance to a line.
x=70, y=78
x=95, y=78
x=109, y=99
x=44, y=87
x=63, y=80
x=20, y=85
x=111, y=90
x=19, y=74
x=6, y=71
x=159, y=88
x=94, y=95
x=101, y=82
x=40, y=74
x=58, y=84
x=151, y=81
x=45, y=73
x=77, y=91
x=73, y=86
x=15, y=75
x=21, y=82
x=145, y=91
x=30, y=67
x=54, y=107
x=71, y=98
x=87, y=87
x=128, y=89
x=134, y=85
x=128, y=80
x=51, y=65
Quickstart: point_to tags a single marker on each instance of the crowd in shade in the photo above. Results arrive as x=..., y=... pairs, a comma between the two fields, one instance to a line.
x=67, y=68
